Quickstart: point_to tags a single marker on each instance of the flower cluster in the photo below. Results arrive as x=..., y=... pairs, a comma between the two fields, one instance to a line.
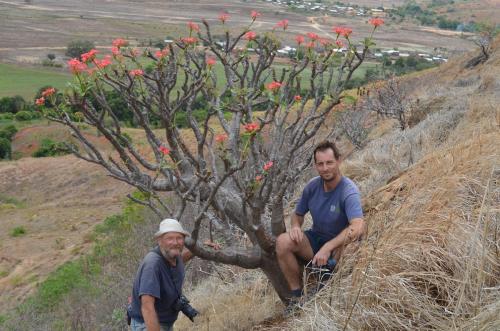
x=118, y=43
x=274, y=86
x=251, y=127
x=221, y=138
x=376, y=22
x=193, y=27
x=136, y=72
x=254, y=14
x=268, y=166
x=299, y=39
x=40, y=101
x=163, y=53
x=101, y=64
x=342, y=31
x=250, y=35
x=48, y=92
x=164, y=150
x=89, y=56
x=76, y=66
x=223, y=17
x=189, y=40
x=211, y=62
x=282, y=24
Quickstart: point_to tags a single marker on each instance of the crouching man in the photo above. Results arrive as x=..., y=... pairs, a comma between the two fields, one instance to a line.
x=335, y=205
x=157, y=290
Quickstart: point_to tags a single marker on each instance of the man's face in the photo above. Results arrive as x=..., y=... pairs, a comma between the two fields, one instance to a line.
x=326, y=165
x=171, y=243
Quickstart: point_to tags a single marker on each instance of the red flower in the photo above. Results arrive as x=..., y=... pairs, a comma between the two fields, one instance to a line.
x=115, y=50
x=282, y=24
x=189, y=40
x=274, y=86
x=311, y=45
x=48, y=92
x=120, y=43
x=89, y=56
x=160, y=54
x=339, y=43
x=40, y=101
x=220, y=138
x=312, y=35
x=268, y=165
x=254, y=14
x=223, y=17
x=324, y=42
x=297, y=98
x=250, y=35
x=258, y=178
x=342, y=31
x=136, y=72
x=299, y=39
x=251, y=127
x=164, y=150
x=211, y=61
x=101, y=64
x=376, y=21
x=76, y=66
x=193, y=26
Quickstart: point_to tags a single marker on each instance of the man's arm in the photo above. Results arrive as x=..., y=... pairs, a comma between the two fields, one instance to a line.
x=353, y=232
x=296, y=233
x=149, y=313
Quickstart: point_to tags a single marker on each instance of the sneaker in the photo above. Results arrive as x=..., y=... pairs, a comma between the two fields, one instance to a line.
x=293, y=307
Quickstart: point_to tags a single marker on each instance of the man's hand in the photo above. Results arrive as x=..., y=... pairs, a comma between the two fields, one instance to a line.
x=321, y=257
x=296, y=234
x=212, y=244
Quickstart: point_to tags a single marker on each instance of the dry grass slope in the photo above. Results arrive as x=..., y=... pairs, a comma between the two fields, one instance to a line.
x=432, y=257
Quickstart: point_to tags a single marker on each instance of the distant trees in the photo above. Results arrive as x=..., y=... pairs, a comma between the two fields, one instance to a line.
x=12, y=104
x=78, y=47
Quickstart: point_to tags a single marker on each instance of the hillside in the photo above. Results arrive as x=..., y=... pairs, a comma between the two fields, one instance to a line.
x=431, y=259
x=57, y=201
x=431, y=195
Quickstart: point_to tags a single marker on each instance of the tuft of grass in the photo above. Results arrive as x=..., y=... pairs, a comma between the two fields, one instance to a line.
x=18, y=231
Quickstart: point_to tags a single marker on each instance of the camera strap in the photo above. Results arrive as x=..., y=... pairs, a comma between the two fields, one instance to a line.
x=169, y=269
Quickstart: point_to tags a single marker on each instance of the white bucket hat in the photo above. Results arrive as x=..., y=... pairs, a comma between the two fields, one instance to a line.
x=170, y=225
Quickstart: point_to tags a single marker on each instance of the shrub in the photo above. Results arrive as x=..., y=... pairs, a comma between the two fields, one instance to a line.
x=6, y=116
x=23, y=115
x=78, y=47
x=8, y=132
x=5, y=148
x=18, y=231
x=12, y=104
x=51, y=56
x=49, y=147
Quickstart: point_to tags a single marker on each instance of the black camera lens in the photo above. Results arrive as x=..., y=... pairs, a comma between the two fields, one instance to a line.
x=182, y=304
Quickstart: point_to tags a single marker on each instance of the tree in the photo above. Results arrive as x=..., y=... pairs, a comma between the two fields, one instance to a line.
x=390, y=100
x=484, y=39
x=78, y=47
x=233, y=170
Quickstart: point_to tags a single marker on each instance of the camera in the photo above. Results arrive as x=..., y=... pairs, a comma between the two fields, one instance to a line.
x=182, y=304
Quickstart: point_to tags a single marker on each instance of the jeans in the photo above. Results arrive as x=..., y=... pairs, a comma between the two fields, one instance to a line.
x=135, y=325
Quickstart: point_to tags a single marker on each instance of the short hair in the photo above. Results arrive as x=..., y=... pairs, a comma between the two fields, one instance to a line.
x=325, y=145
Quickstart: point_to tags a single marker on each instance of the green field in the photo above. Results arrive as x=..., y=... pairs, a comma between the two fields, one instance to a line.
x=25, y=81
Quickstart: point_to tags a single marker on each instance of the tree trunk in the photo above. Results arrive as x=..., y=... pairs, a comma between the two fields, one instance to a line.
x=272, y=270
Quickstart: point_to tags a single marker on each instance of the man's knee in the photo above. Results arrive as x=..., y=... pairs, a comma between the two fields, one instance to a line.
x=283, y=244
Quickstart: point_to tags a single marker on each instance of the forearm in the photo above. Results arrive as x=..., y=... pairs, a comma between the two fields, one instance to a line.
x=353, y=232
x=296, y=221
x=150, y=318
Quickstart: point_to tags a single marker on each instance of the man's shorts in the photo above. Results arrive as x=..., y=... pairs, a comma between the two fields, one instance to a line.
x=315, y=240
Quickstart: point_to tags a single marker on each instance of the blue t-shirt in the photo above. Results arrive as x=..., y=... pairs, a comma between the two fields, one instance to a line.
x=331, y=211
x=156, y=277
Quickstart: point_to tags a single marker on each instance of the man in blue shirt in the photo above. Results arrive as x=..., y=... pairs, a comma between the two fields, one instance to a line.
x=334, y=202
x=158, y=283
